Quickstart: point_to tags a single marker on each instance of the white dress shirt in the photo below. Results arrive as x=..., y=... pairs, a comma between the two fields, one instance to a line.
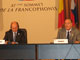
x=14, y=36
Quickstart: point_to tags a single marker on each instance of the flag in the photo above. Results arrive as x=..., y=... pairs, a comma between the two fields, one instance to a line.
x=74, y=15
x=61, y=14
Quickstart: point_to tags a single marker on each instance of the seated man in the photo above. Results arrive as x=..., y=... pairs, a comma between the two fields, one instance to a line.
x=68, y=32
x=15, y=35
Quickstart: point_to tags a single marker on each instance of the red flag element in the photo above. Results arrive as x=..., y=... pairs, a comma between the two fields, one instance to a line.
x=61, y=14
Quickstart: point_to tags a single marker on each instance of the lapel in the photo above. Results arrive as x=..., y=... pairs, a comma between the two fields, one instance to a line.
x=72, y=34
x=18, y=35
x=64, y=33
x=11, y=36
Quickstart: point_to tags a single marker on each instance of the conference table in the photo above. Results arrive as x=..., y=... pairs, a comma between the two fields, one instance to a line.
x=40, y=51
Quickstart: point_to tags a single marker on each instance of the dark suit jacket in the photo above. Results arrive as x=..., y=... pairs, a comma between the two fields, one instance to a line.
x=73, y=36
x=20, y=38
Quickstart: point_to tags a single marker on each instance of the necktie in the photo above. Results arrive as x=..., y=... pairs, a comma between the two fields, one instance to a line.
x=68, y=35
x=14, y=36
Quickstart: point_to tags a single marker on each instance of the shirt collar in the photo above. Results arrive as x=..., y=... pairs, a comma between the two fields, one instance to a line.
x=69, y=30
x=14, y=32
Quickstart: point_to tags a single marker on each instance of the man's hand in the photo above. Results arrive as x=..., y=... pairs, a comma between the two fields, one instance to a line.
x=6, y=42
x=14, y=42
x=77, y=42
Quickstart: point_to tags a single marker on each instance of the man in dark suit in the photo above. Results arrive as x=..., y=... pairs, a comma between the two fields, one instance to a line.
x=15, y=35
x=68, y=32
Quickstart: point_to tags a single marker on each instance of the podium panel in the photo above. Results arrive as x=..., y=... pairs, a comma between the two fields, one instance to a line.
x=64, y=51
x=17, y=51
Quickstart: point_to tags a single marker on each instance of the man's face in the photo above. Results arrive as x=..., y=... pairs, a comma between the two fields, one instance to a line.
x=68, y=24
x=14, y=27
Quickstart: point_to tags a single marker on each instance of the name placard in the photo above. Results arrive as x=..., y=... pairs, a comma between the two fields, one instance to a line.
x=61, y=41
x=2, y=41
